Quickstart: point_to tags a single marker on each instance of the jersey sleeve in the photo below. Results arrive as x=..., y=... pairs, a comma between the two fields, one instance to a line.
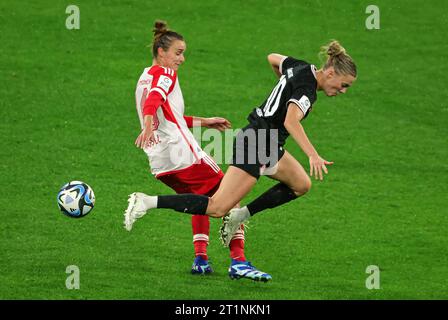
x=163, y=80
x=290, y=62
x=303, y=99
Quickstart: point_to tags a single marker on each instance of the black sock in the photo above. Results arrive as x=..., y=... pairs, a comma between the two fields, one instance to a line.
x=187, y=203
x=274, y=197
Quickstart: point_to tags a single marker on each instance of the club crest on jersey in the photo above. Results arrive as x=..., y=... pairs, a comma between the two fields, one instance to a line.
x=290, y=73
x=164, y=83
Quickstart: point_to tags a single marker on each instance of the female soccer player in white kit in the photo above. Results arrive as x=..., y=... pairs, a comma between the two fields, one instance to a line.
x=174, y=155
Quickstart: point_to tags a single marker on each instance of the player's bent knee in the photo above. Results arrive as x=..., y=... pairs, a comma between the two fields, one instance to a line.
x=303, y=187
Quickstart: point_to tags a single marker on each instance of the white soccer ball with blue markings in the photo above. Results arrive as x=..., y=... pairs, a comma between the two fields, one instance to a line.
x=76, y=199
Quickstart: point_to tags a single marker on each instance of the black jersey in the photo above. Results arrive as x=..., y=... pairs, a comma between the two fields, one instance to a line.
x=296, y=85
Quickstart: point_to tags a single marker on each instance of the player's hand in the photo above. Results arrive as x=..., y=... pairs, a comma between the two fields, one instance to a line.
x=145, y=138
x=217, y=123
x=317, y=165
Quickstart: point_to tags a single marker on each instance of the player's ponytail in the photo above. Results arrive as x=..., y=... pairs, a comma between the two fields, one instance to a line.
x=163, y=37
x=334, y=55
x=160, y=27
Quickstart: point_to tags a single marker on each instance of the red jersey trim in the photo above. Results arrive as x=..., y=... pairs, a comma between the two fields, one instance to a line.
x=189, y=121
x=158, y=71
x=156, y=89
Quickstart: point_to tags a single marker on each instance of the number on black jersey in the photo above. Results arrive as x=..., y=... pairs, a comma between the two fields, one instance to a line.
x=274, y=99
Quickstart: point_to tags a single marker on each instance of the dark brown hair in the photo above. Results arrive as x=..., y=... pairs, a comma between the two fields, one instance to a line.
x=163, y=37
x=335, y=56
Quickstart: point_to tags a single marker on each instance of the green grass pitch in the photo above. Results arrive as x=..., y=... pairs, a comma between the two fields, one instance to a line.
x=67, y=113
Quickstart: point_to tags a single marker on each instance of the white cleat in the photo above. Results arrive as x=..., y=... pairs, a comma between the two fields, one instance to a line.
x=230, y=225
x=136, y=209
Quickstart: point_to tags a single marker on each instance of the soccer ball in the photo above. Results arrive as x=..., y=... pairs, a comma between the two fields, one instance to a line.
x=76, y=199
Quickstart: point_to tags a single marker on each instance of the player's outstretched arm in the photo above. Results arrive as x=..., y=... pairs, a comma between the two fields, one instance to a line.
x=218, y=123
x=274, y=60
x=295, y=129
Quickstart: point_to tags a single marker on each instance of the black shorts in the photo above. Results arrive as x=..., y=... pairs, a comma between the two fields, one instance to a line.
x=257, y=150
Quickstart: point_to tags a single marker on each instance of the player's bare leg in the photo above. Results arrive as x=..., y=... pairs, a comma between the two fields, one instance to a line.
x=295, y=182
x=236, y=184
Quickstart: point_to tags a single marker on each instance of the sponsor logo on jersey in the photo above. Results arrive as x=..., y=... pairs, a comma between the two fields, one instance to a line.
x=164, y=83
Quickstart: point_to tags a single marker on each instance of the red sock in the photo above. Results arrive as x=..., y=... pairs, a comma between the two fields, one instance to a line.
x=201, y=228
x=237, y=245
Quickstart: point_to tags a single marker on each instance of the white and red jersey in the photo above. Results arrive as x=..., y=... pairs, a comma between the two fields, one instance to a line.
x=175, y=147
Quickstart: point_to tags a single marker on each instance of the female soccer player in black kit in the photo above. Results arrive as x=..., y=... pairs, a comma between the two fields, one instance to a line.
x=258, y=148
